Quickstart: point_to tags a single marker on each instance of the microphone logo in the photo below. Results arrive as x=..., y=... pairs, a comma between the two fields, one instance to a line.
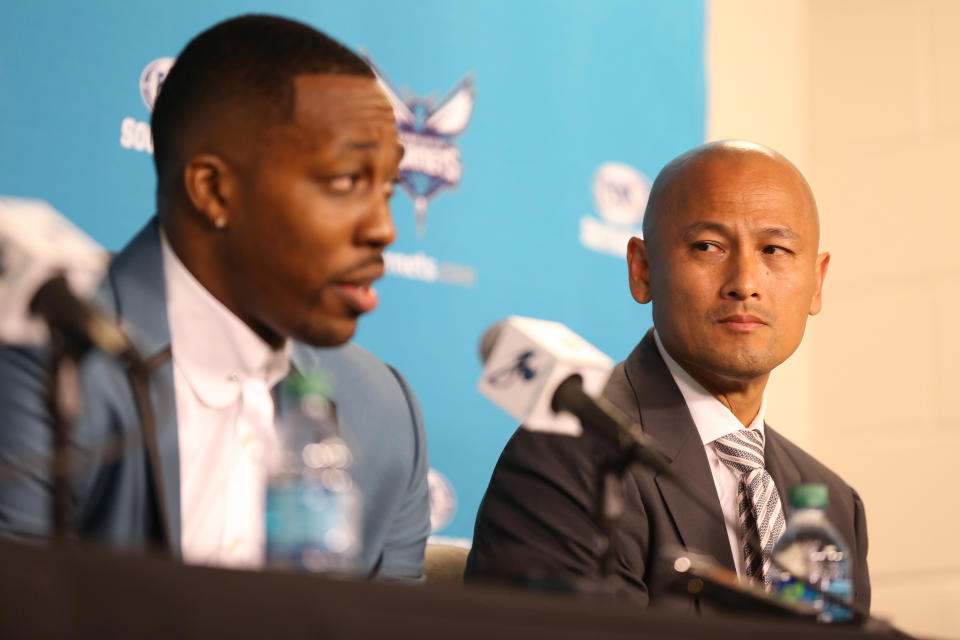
x=520, y=369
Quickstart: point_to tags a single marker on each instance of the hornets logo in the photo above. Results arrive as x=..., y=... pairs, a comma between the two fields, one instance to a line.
x=428, y=129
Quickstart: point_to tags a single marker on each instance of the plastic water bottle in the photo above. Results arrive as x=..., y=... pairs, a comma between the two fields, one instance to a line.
x=811, y=547
x=313, y=507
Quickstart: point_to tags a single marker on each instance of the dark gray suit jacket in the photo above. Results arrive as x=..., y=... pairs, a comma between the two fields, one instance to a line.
x=537, y=521
x=132, y=499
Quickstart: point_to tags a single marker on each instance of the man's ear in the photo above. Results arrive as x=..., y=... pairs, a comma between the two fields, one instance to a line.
x=820, y=274
x=639, y=270
x=210, y=185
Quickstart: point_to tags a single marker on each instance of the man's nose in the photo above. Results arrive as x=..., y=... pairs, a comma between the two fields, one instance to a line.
x=376, y=229
x=743, y=279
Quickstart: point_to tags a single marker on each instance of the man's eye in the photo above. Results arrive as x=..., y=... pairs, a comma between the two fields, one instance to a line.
x=704, y=246
x=344, y=183
x=774, y=250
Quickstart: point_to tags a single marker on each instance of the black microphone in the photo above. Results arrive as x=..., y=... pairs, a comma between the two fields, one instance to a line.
x=599, y=414
x=79, y=323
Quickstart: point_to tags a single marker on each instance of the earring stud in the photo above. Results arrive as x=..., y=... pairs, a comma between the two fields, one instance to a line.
x=220, y=223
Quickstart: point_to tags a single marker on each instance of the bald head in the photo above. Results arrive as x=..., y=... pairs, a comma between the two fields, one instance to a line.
x=730, y=261
x=698, y=172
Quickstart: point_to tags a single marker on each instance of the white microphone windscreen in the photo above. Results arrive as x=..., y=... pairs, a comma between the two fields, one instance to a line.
x=37, y=243
x=527, y=360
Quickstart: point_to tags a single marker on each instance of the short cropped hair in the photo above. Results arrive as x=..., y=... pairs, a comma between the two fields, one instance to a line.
x=246, y=63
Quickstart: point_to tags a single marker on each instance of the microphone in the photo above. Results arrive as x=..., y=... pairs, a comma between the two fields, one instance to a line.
x=48, y=267
x=526, y=359
x=550, y=379
x=601, y=415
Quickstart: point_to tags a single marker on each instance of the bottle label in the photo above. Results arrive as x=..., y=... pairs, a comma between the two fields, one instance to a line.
x=311, y=526
x=797, y=594
x=835, y=612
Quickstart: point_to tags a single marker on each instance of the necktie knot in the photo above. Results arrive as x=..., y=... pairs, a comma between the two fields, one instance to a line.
x=741, y=450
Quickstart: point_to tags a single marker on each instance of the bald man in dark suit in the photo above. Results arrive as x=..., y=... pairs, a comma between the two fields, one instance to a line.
x=730, y=261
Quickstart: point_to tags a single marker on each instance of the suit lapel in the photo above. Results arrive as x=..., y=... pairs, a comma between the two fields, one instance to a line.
x=138, y=288
x=664, y=416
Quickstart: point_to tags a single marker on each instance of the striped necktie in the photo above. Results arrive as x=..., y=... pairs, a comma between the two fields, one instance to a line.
x=758, y=503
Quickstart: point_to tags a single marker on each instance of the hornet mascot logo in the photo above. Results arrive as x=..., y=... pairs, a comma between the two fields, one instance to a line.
x=427, y=130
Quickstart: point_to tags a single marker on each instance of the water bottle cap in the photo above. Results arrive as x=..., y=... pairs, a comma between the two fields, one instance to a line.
x=809, y=496
x=313, y=383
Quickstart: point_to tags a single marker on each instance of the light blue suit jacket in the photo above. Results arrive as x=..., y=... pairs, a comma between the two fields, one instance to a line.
x=117, y=498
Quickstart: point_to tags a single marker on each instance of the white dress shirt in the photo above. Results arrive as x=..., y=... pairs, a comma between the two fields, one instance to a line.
x=222, y=374
x=714, y=420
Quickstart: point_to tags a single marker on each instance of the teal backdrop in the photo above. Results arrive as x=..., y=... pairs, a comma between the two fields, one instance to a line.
x=569, y=108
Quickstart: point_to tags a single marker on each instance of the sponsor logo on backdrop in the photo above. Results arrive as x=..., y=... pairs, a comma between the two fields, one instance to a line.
x=135, y=134
x=426, y=268
x=620, y=195
x=443, y=500
x=428, y=129
x=151, y=79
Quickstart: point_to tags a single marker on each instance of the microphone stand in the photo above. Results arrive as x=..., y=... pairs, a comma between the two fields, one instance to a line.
x=610, y=507
x=74, y=330
x=64, y=404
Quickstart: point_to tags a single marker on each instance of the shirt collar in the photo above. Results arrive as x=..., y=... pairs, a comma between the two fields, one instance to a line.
x=713, y=419
x=213, y=348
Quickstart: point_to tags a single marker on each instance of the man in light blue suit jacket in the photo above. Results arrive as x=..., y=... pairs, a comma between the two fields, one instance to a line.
x=276, y=153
